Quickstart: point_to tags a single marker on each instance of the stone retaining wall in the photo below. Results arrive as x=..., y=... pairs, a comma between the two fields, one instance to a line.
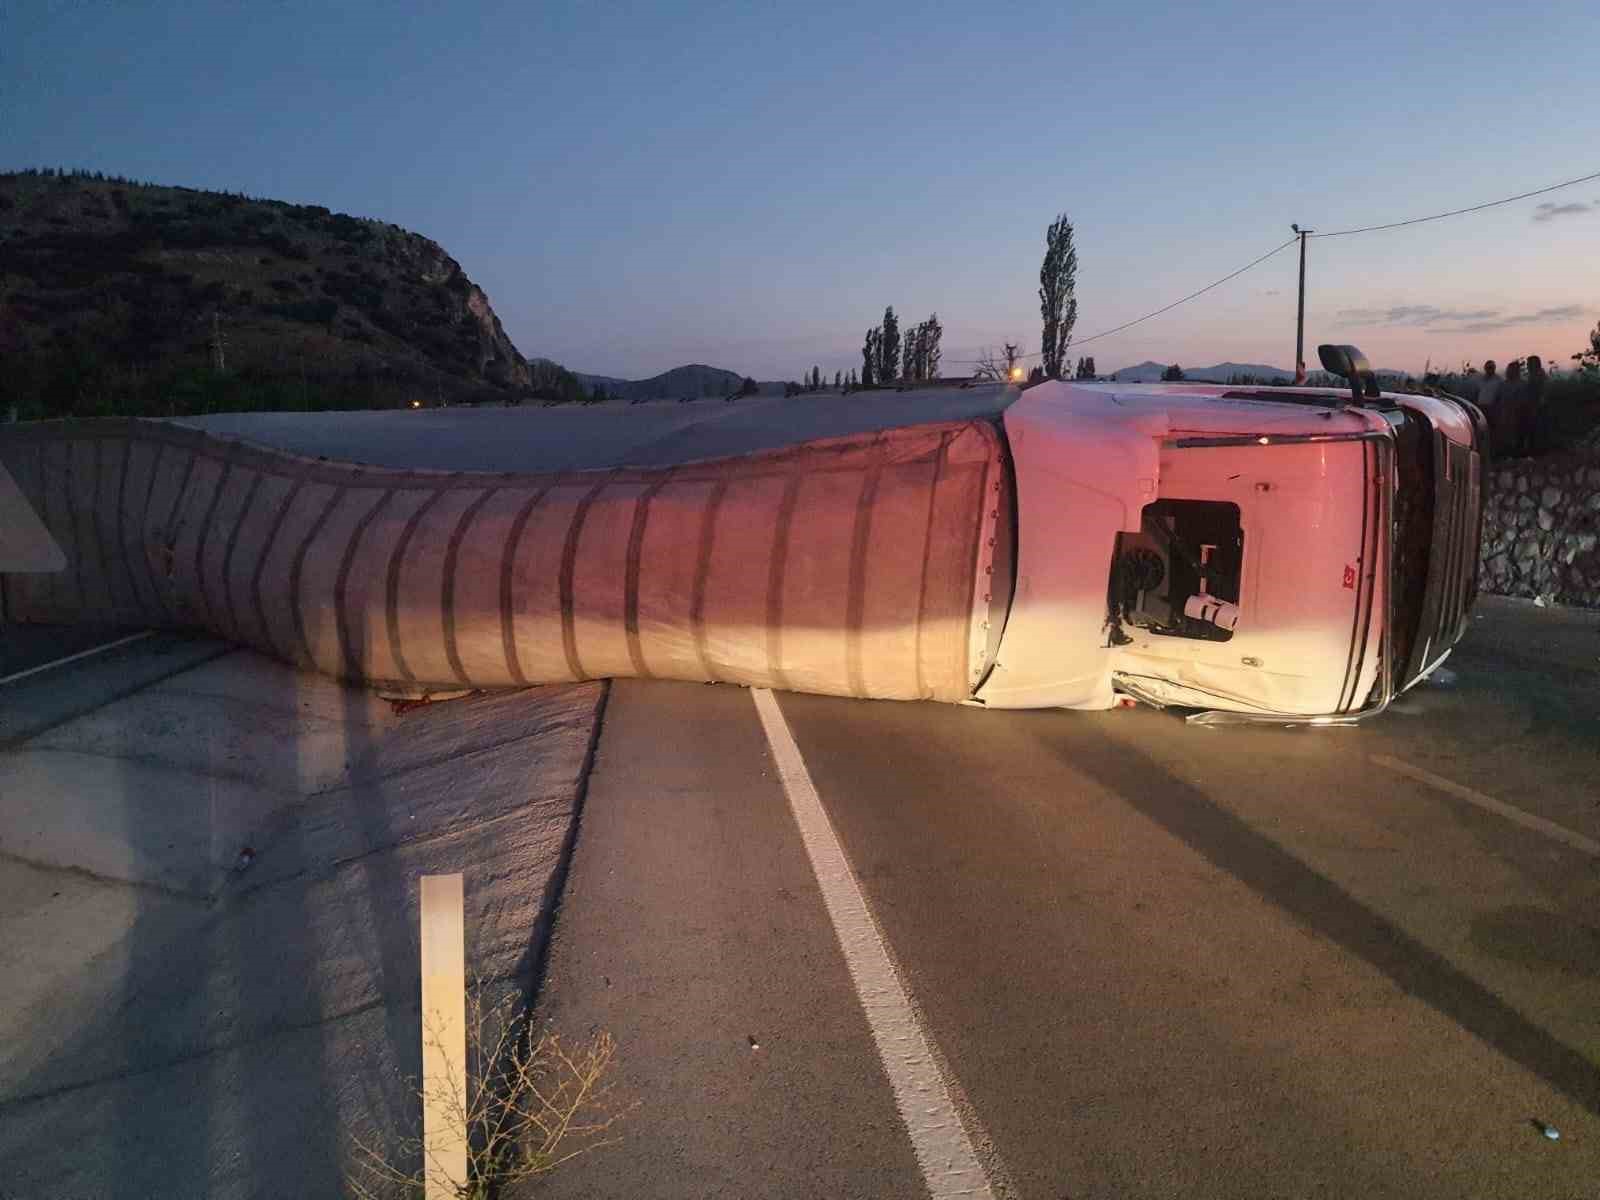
x=1541, y=528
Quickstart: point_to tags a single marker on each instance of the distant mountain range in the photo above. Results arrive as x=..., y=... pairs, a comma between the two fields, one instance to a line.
x=693, y=382
x=1150, y=372
x=698, y=381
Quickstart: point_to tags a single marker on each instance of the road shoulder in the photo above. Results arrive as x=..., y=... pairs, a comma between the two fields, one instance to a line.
x=208, y=892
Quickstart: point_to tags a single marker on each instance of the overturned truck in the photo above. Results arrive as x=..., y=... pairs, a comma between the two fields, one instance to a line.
x=1276, y=554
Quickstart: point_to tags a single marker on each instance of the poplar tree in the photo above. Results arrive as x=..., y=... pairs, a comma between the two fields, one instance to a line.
x=1057, y=304
x=889, y=347
x=930, y=347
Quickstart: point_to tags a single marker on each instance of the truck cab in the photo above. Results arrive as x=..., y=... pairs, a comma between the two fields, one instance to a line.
x=1283, y=554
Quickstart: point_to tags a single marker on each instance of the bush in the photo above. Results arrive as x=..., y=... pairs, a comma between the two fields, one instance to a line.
x=1571, y=407
x=355, y=288
x=390, y=322
x=284, y=246
x=309, y=312
x=64, y=260
x=200, y=234
x=347, y=228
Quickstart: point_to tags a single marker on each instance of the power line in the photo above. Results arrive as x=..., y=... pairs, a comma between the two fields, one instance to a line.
x=1167, y=308
x=1336, y=233
x=1456, y=212
x=1189, y=297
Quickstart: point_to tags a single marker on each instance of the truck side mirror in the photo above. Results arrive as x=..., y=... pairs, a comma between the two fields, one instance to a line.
x=1352, y=365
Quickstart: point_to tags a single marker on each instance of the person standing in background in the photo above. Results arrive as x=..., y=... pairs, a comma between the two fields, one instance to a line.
x=1513, y=396
x=1488, y=400
x=1537, y=433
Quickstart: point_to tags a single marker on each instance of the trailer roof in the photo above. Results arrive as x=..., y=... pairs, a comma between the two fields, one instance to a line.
x=575, y=437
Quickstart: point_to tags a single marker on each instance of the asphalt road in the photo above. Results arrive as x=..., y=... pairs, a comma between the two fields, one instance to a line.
x=1154, y=959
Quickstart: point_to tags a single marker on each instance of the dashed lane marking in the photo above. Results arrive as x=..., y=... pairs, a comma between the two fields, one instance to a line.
x=1500, y=808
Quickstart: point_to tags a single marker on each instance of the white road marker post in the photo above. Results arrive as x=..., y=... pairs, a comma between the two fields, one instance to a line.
x=444, y=1038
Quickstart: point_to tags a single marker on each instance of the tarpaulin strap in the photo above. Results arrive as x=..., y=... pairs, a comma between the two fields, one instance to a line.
x=702, y=570
x=775, y=572
x=447, y=597
x=630, y=603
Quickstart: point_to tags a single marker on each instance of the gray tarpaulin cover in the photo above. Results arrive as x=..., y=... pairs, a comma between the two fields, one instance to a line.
x=854, y=566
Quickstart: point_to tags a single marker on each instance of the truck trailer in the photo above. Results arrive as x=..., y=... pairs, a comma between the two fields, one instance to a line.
x=1275, y=554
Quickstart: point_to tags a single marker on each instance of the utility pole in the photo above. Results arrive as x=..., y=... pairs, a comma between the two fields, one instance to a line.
x=1300, y=321
x=218, y=363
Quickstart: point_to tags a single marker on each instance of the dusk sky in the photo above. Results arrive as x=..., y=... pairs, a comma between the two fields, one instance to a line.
x=638, y=187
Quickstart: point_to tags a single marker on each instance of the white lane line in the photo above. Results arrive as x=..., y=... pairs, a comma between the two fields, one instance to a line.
x=61, y=662
x=949, y=1164
x=1500, y=808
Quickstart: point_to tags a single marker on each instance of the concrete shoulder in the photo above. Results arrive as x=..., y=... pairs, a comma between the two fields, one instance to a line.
x=208, y=892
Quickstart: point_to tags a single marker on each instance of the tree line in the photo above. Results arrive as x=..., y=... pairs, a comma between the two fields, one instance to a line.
x=888, y=358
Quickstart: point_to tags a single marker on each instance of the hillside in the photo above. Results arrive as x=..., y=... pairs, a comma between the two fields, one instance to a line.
x=115, y=295
x=693, y=382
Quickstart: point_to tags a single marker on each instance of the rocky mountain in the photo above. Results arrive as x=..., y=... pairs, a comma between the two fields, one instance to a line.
x=118, y=296
x=693, y=382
